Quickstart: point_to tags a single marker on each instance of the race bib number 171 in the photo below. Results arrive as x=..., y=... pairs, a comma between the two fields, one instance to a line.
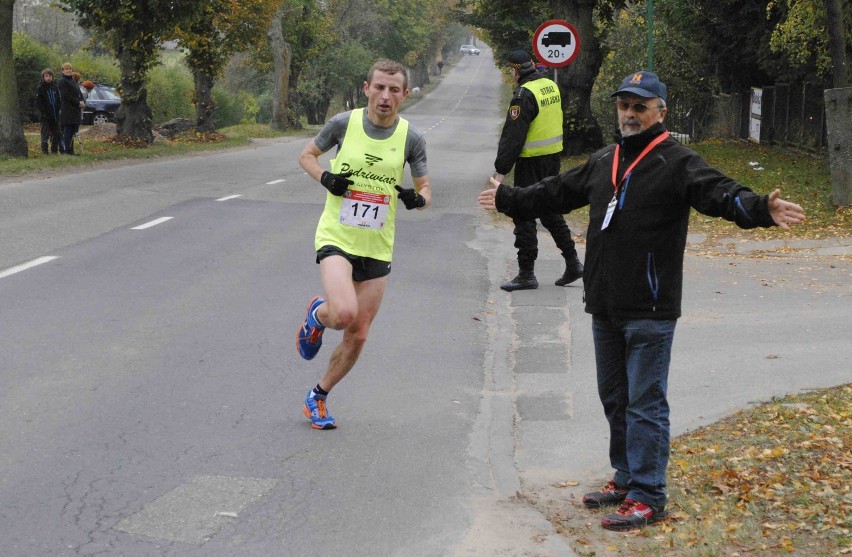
x=364, y=210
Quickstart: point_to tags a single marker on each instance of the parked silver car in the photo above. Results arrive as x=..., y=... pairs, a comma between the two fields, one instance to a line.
x=469, y=49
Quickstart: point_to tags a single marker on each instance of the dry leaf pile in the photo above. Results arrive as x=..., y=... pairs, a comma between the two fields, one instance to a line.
x=774, y=478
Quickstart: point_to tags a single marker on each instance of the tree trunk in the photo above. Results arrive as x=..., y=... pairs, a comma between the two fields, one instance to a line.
x=419, y=74
x=12, y=140
x=837, y=42
x=315, y=111
x=309, y=108
x=134, y=120
x=293, y=120
x=322, y=109
x=282, y=56
x=582, y=133
x=204, y=104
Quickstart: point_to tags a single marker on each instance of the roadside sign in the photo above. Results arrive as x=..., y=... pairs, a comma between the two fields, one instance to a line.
x=556, y=43
x=756, y=111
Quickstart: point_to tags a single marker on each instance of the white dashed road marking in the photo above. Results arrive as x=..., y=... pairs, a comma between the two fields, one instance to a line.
x=25, y=266
x=160, y=220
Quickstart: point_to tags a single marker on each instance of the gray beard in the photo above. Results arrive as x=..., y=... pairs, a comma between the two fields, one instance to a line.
x=627, y=133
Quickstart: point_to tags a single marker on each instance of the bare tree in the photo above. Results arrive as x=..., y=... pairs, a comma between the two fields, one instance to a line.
x=47, y=23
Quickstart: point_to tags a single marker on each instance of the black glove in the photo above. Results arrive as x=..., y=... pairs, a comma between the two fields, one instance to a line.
x=410, y=198
x=337, y=184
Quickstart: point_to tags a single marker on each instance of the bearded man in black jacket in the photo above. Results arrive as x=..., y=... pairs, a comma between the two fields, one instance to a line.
x=639, y=192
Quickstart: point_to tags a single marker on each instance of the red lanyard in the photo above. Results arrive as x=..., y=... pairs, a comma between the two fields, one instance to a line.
x=657, y=140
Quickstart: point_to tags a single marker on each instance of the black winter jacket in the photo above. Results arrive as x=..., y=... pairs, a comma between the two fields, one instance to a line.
x=634, y=267
x=71, y=113
x=47, y=100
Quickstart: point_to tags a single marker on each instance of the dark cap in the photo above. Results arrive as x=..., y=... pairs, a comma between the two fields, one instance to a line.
x=645, y=84
x=522, y=62
x=519, y=57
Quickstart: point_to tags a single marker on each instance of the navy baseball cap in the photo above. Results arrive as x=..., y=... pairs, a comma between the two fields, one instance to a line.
x=645, y=84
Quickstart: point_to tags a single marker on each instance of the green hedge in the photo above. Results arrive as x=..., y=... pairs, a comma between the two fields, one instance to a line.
x=31, y=57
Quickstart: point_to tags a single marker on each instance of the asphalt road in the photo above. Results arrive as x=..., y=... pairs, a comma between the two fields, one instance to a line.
x=150, y=391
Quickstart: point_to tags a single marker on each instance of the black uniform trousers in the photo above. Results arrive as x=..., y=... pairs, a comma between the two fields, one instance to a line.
x=528, y=171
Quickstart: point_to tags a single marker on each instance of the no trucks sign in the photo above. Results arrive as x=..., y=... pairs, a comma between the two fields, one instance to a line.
x=556, y=43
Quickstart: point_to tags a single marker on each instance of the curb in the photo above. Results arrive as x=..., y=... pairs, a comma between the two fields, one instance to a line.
x=840, y=246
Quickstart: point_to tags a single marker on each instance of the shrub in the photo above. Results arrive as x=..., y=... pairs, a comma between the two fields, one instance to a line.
x=228, y=109
x=264, y=108
x=31, y=57
x=170, y=91
x=98, y=68
x=233, y=109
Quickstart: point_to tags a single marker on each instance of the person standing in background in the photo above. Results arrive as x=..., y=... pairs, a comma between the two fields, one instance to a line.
x=72, y=105
x=531, y=142
x=639, y=192
x=48, y=102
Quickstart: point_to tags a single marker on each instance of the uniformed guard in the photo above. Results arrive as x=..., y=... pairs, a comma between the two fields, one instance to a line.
x=531, y=142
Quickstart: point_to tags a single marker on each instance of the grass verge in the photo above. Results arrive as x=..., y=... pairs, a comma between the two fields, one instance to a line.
x=771, y=480
x=97, y=148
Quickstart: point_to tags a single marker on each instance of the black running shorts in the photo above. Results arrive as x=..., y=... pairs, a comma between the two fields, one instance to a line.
x=363, y=268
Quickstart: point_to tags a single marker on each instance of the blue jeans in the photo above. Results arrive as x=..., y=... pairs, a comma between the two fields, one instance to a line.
x=632, y=357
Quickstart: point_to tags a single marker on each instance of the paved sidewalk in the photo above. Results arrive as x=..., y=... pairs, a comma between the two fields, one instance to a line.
x=752, y=328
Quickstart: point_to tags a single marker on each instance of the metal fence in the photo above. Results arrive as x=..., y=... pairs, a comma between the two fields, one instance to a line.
x=790, y=116
x=686, y=122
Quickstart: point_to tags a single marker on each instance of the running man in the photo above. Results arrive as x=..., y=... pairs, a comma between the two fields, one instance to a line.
x=355, y=235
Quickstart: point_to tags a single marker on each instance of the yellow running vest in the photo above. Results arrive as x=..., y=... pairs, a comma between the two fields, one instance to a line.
x=545, y=134
x=361, y=222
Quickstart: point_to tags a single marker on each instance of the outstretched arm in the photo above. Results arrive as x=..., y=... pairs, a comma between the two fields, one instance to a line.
x=487, y=198
x=783, y=212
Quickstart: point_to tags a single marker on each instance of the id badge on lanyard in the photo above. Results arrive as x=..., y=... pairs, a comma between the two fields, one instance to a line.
x=610, y=209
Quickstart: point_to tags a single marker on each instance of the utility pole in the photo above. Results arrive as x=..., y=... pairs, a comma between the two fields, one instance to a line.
x=650, y=35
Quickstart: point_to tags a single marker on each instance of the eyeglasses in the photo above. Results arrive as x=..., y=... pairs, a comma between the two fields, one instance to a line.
x=638, y=108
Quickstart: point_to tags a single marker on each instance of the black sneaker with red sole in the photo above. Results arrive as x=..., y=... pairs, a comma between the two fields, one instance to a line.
x=632, y=515
x=610, y=494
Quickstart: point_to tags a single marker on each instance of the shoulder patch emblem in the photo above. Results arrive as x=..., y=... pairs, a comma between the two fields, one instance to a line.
x=514, y=111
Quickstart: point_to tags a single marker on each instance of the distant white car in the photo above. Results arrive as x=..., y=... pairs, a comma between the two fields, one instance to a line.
x=469, y=49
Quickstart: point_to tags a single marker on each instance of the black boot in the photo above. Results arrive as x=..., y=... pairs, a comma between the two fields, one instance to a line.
x=573, y=271
x=524, y=281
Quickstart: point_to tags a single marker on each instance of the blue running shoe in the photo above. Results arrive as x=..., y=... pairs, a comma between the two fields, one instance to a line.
x=316, y=411
x=309, y=339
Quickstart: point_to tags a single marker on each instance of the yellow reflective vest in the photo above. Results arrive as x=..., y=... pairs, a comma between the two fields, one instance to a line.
x=545, y=134
x=361, y=222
